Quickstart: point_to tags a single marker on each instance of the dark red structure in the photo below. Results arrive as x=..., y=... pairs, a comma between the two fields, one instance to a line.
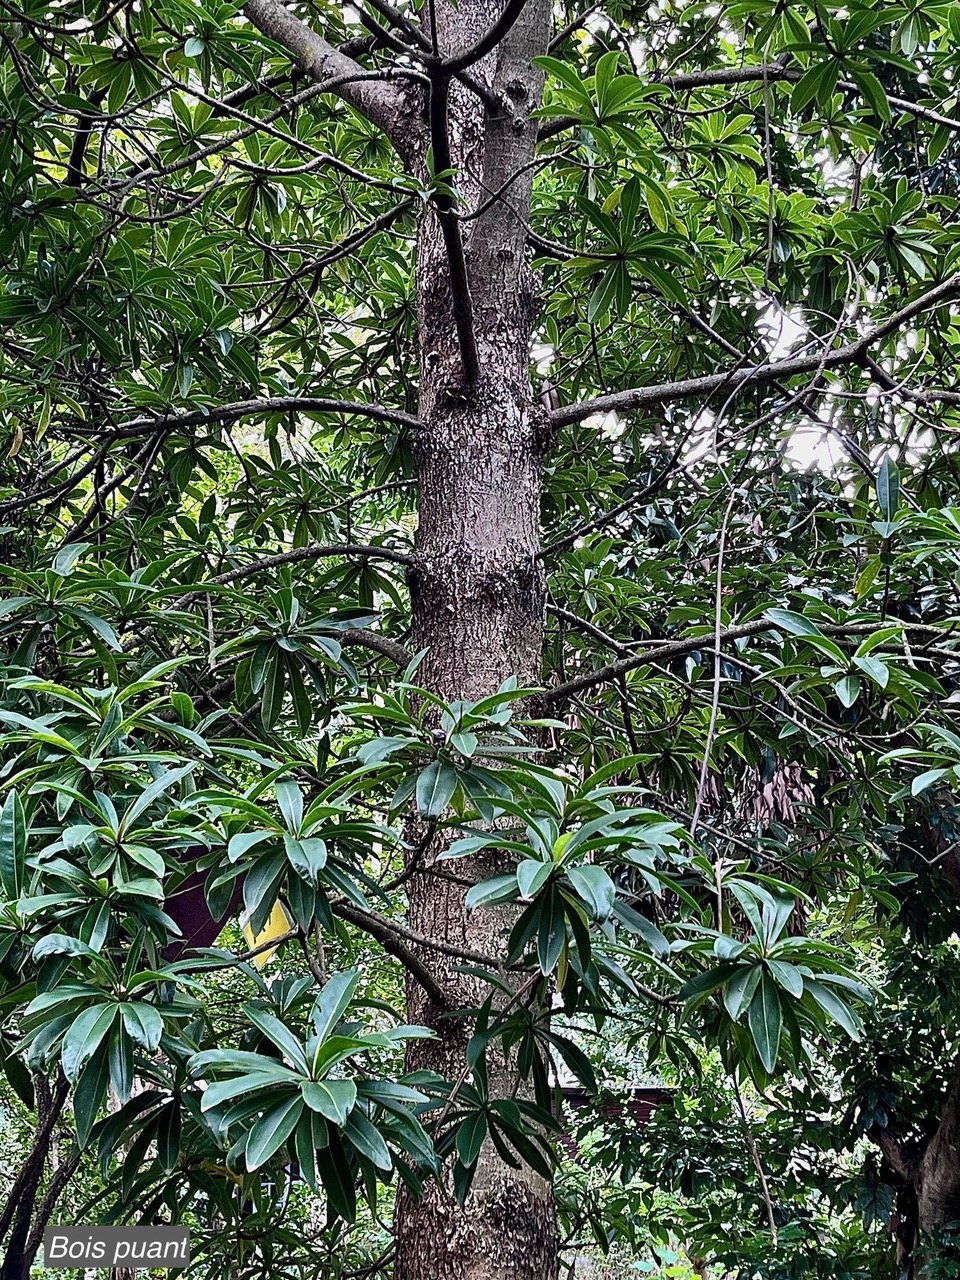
x=187, y=906
x=633, y=1105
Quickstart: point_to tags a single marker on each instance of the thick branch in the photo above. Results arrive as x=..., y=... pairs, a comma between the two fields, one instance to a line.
x=765, y=73
x=55, y=1188
x=369, y=920
x=903, y=1158
x=381, y=103
x=378, y=644
x=307, y=553
x=735, y=379
x=402, y=23
x=450, y=226
x=265, y=404
x=716, y=77
x=357, y=635
x=80, y=140
x=384, y=930
x=467, y=57
x=678, y=648
x=938, y=1176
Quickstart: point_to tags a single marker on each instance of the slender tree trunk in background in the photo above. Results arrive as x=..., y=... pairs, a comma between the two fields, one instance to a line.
x=928, y=1174
x=928, y=1196
x=929, y=1171
x=477, y=592
x=17, y=1214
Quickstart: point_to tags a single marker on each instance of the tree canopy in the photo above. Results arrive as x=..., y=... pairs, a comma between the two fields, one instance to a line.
x=480, y=565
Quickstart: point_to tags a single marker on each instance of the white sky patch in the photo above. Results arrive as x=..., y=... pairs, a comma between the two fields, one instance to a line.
x=782, y=330
x=542, y=354
x=701, y=443
x=609, y=425
x=595, y=22
x=811, y=448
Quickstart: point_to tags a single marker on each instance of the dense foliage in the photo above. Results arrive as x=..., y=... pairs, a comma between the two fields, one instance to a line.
x=720, y=833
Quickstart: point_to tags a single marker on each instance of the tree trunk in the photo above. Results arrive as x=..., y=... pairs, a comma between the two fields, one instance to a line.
x=937, y=1180
x=478, y=608
x=17, y=1214
x=477, y=596
x=928, y=1177
x=477, y=592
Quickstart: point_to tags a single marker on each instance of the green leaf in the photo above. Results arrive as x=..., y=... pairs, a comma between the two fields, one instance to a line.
x=470, y=1136
x=368, y=1140
x=61, y=944
x=13, y=846
x=740, y=989
x=806, y=88
x=260, y=888
x=867, y=577
x=272, y=1130
x=578, y=1062
x=308, y=857
x=794, y=624
x=787, y=976
x=435, y=788
x=551, y=933
x=594, y=886
x=153, y=791
x=637, y=923
x=278, y=1034
x=848, y=689
x=65, y=561
x=90, y=1093
x=605, y=76
x=378, y=749
x=244, y=841
x=835, y=1007
x=879, y=637
x=659, y=204
x=84, y=1037
x=603, y=295
x=888, y=488
x=143, y=1023
x=337, y=1178
x=927, y=779
x=333, y=1002
x=532, y=875
x=290, y=799
x=874, y=93
x=465, y=743
x=878, y=671
x=332, y=1099
x=765, y=1021
x=496, y=889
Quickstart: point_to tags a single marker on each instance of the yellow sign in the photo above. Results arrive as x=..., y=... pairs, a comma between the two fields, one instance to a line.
x=277, y=924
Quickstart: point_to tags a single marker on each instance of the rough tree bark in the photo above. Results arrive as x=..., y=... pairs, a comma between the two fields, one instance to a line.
x=937, y=1178
x=477, y=593
x=928, y=1177
x=928, y=1171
